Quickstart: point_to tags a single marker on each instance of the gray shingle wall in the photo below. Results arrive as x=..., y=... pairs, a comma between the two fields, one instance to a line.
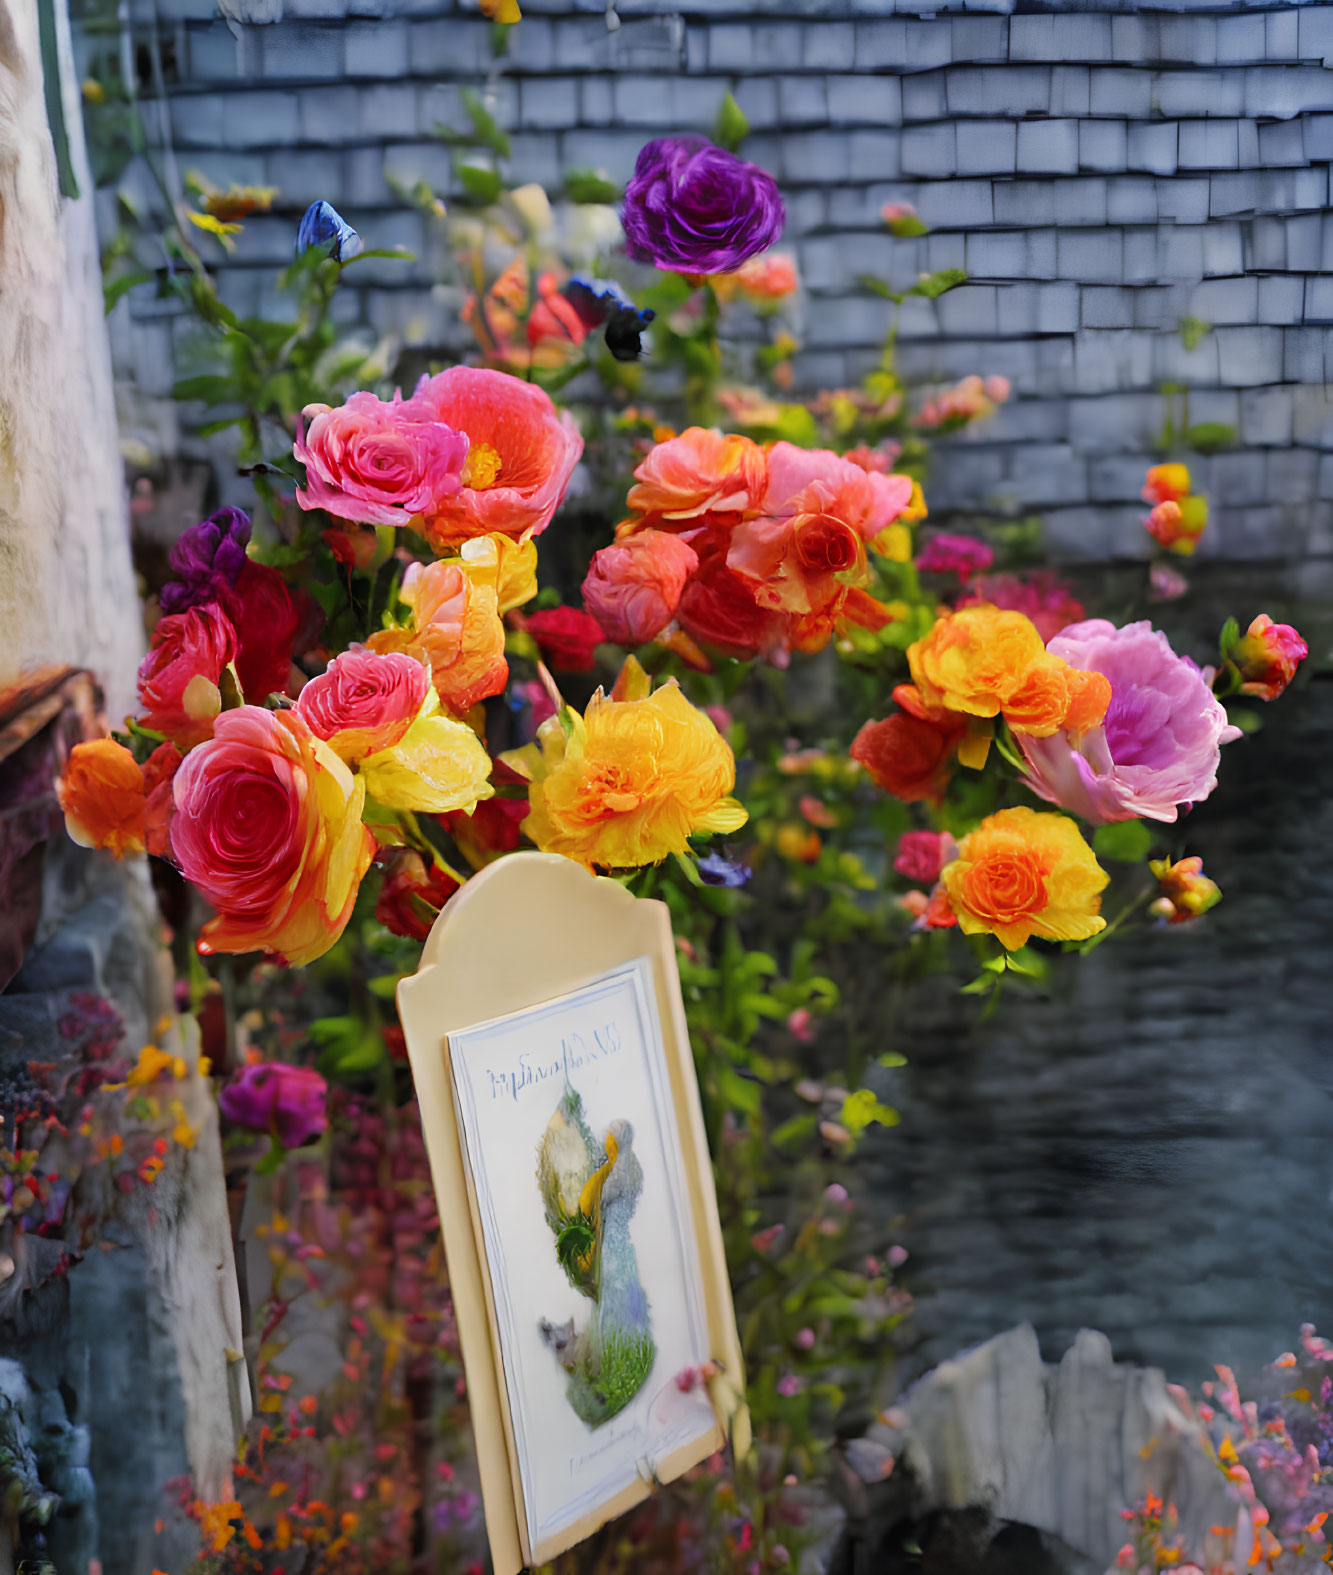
x=1102, y=173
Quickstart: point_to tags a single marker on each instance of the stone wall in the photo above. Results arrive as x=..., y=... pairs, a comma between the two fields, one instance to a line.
x=1102, y=171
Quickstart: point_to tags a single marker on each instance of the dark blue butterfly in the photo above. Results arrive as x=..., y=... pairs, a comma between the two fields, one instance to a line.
x=601, y=302
x=321, y=224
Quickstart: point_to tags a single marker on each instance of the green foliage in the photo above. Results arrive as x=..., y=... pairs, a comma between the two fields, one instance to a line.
x=481, y=183
x=731, y=127
x=590, y=186
x=1207, y=437
x=1192, y=330
x=1125, y=841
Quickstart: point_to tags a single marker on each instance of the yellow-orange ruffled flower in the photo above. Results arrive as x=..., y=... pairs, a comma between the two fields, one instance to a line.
x=986, y=661
x=632, y=781
x=1023, y=873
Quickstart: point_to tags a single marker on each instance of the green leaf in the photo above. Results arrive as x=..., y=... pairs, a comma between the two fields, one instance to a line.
x=112, y=292
x=482, y=185
x=1206, y=437
x=732, y=127
x=590, y=186
x=892, y=1058
x=212, y=389
x=994, y=964
x=908, y=225
x=981, y=985
x=1192, y=329
x=868, y=281
x=384, y=985
x=1246, y=718
x=861, y=1109
x=483, y=124
x=1124, y=841
x=1027, y=962
x=1227, y=639
x=932, y=284
x=397, y=253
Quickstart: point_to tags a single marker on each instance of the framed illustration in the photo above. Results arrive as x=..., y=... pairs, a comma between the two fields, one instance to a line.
x=558, y=1098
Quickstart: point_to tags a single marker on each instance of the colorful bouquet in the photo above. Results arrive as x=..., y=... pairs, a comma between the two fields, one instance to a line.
x=363, y=695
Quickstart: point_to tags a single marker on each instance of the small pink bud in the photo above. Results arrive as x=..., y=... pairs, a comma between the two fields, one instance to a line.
x=805, y=1340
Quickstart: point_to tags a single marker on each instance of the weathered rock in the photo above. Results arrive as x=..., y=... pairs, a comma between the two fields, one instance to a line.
x=1060, y=1448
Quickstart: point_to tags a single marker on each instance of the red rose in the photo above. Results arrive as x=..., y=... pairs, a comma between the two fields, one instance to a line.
x=266, y=619
x=567, y=637
x=412, y=895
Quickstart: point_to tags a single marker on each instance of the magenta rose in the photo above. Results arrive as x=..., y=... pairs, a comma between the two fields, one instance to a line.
x=633, y=587
x=378, y=462
x=178, y=679
x=960, y=555
x=1161, y=739
x=364, y=702
x=284, y=1101
x=923, y=854
x=696, y=208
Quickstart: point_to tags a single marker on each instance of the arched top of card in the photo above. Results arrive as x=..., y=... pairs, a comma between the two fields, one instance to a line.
x=561, y=1112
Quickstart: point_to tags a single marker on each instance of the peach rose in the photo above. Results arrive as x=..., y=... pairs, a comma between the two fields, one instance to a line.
x=523, y=452
x=456, y=631
x=808, y=543
x=102, y=794
x=633, y=587
x=178, y=679
x=378, y=462
x=268, y=827
x=699, y=478
x=364, y=701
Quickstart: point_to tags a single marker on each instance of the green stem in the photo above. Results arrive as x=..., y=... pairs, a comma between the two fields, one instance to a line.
x=1129, y=909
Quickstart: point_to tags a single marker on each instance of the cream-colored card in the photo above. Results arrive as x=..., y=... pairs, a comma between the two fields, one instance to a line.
x=561, y=1114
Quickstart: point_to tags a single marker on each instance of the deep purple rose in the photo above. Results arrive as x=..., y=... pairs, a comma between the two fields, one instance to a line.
x=206, y=559
x=271, y=1096
x=697, y=208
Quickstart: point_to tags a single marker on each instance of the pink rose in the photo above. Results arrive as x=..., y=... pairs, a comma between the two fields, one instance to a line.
x=378, y=462
x=1159, y=744
x=633, y=587
x=364, y=702
x=1268, y=655
x=523, y=452
x=1048, y=602
x=923, y=854
x=268, y=827
x=178, y=679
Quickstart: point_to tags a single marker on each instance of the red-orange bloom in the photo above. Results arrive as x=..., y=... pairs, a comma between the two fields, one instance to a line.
x=907, y=754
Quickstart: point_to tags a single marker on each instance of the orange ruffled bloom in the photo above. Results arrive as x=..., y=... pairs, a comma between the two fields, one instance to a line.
x=701, y=477
x=112, y=802
x=1166, y=484
x=1178, y=524
x=102, y=795
x=1023, y=873
x=987, y=662
x=634, y=779
x=456, y=630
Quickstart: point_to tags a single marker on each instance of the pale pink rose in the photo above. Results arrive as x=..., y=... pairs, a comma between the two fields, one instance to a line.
x=364, y=702
x=378, y=462
x=633, y=587
x=178, y=679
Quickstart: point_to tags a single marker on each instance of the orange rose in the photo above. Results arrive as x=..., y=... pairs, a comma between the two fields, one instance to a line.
x=102, y=795
x=1023, y=873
